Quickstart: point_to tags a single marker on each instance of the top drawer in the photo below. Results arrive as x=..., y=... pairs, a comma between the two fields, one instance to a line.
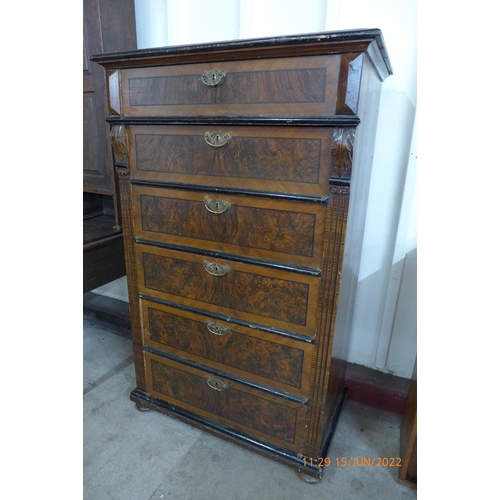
x=292, y=86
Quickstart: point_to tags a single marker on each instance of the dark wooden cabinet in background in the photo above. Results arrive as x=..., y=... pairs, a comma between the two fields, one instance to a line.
x=244, y=170
x=108, y=25
x=408, y=441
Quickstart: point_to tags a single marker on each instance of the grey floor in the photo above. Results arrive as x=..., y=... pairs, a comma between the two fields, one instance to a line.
x=129, y=455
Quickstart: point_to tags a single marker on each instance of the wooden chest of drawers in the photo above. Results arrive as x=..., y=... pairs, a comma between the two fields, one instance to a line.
x=244, y=170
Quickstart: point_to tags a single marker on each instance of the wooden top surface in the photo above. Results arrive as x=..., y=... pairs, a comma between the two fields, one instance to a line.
x=333, y=42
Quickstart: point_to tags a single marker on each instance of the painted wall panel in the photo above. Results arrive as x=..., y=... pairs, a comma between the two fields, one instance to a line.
x=261, y=18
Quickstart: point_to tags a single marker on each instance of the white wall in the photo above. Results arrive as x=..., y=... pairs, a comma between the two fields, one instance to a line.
x=391, y=224
x=384, y=329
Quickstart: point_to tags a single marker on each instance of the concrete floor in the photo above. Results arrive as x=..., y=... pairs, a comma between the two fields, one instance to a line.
x=129, y=455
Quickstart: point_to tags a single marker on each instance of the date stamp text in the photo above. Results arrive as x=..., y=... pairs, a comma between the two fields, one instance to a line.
x=353, y=461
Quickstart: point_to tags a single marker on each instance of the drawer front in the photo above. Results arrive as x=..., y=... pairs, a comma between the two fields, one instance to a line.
x=295, y=86
x=258, y=294
x=285, y=231
x=265, y=358
x=256, y=412
x=293, y=160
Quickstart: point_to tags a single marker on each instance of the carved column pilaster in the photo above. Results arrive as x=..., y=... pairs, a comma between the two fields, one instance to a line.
x=119, y=144
x=336, y=223
x=342, y=150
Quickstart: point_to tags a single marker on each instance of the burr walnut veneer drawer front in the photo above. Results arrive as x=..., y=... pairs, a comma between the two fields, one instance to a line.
x=264, y=415
x=286, y=231
x=293, y=160
x=266, y=358
x=258, y=294
x=303, y=86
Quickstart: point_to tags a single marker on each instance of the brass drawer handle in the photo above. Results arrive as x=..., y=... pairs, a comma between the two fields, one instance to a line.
x=216, y=384
x=216, y=139
x=216, y=269
x=217, y=329
x=216, y=206
x=213, y=77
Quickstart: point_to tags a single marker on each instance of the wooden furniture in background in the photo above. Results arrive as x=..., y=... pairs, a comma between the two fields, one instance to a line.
x=408, y=471
x=244, y=170
x=108, y=25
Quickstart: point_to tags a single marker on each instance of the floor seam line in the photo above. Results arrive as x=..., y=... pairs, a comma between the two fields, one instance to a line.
x=118, y=368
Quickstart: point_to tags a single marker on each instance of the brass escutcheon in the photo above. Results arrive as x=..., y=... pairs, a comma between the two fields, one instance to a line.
x=213, y=77
x=216, y=139
x=216, y=269
x=217, y=329
x=216, y=384
x=216, y=206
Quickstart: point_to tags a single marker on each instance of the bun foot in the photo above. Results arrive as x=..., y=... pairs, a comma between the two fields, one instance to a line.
x=139, y=407
x=307, y=478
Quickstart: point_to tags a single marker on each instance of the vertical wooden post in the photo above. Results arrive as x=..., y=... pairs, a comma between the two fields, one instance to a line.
x=120, y=159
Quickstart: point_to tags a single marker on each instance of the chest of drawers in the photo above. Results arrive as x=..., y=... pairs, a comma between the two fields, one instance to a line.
x=244, y=170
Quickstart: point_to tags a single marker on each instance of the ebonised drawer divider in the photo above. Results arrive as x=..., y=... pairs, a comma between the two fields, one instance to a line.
x=236, y=378
x=195, y=187
x=319, y=121
x=235, y=258
x=255, y=326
